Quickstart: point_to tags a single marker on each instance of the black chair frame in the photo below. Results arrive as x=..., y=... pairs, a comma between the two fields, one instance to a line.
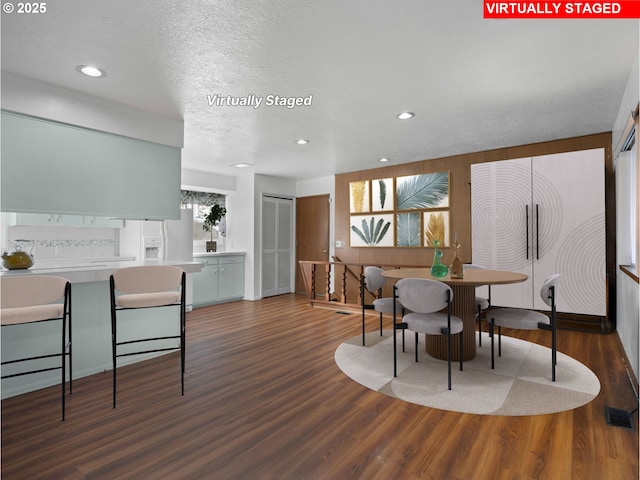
x=444, y=331
x=66, y=350
x=182, y=336
x=551, y=327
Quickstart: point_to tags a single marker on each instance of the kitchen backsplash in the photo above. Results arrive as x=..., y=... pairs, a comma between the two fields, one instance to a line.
x=64, y=242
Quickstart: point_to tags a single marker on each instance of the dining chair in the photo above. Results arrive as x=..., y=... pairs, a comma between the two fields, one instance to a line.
x=426, y=299
x=372, y=281
x=482, y=304
x=148, y=287
x=523, y=319
x=34, y=299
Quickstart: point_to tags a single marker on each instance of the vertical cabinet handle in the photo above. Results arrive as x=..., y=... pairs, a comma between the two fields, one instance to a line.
x=527, y=228
x=537, y=232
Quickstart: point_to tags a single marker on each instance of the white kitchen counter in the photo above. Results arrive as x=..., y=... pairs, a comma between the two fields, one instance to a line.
x=95, y=270
x=216, y=254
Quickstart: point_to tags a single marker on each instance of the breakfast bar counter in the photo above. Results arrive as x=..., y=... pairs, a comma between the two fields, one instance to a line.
x=91, y=322
x=93, y=270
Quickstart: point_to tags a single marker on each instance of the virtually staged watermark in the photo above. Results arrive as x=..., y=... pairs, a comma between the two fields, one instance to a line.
x=256, y=101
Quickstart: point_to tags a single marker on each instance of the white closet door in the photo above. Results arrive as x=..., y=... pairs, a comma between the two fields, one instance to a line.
x=277, y=233
x=568, y=203
x=501, y=225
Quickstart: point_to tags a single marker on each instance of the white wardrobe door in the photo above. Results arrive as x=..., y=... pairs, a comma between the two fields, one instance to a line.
x=285, y=240
x=501, y=225
x=277, y=214
x=269, y=251
x=568, y=192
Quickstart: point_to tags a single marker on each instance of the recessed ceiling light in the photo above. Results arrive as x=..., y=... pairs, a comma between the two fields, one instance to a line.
x=302, y=141
x=241, y=165
x=405, y=115
x=383, y=160
x=91, y=71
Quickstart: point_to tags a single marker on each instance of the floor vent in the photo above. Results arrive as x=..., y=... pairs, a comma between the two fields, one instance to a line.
x=618, y=417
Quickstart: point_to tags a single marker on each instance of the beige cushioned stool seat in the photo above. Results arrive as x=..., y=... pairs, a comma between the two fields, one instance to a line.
x=142, y=300
x=148, y=286
x=30, y=299
x=35, y=313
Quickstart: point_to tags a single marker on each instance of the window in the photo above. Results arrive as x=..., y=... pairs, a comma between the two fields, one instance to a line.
x=201, y=203
x=626, y=204
x=633, y=208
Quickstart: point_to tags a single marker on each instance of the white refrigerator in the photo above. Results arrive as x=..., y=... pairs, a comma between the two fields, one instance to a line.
x=170, y=240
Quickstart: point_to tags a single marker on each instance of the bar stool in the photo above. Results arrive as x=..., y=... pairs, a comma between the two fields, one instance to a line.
x=148, y=287
x=28, y=299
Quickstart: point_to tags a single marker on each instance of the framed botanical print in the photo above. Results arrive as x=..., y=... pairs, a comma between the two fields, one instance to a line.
x=427, y=190
x=436, y=227
x=371, y=230
x=359, y=196
x=408, y=231
x=382, y=195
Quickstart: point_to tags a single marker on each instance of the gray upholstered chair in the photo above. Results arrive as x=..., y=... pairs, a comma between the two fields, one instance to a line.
x=148, y=287
x=373, y=281
x=32, y=299
x=426, y=299
x=523, y=319
x=482, y=304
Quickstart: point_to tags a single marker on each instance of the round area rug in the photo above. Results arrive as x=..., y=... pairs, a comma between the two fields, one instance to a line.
x=519, y=385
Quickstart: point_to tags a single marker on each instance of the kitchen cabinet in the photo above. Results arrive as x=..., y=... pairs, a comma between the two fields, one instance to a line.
x=48, y=219
x=231, y=277
x=221, y=279
x=205, y=282
x=543, y=215
x=95, y=221
x=74, y=220
x=48, y=167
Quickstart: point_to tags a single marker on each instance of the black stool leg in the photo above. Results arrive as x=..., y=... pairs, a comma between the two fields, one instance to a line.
x=64, y=361
x=70, y=347
x=461, y=347
x=491, y=328
x=113, y=336
x=479, y=326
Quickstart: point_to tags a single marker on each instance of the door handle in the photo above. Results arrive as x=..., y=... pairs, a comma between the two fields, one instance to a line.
x=537, y=232
x=527, y=228
x=324, y=251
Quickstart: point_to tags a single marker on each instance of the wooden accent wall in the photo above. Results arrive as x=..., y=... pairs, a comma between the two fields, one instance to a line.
x=459, y=167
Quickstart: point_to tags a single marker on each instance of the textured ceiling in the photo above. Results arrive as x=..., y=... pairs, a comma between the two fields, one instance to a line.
x=474, y=84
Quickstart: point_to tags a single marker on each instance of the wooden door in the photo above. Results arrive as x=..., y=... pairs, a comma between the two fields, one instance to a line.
x=312, y=236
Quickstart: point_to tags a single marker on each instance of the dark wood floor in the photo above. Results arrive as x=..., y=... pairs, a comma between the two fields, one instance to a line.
x=265, y=400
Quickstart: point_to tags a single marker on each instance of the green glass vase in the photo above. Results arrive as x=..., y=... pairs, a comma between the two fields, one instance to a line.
x=438, y=269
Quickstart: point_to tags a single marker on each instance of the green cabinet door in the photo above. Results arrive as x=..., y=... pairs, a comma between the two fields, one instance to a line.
x=205, y=282
x=231, y=277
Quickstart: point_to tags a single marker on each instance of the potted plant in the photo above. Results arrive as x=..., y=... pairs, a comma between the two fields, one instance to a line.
x=211, y=220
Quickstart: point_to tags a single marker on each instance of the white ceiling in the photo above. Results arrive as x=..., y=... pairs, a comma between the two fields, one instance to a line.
x=474, y=84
